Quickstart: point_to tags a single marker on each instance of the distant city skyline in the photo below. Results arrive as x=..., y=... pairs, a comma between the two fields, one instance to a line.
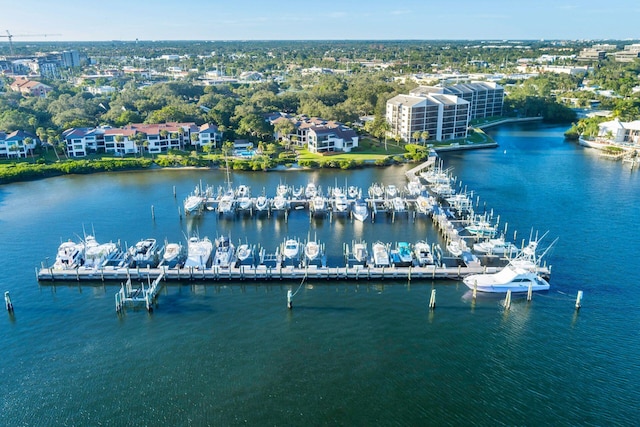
x=72, y=20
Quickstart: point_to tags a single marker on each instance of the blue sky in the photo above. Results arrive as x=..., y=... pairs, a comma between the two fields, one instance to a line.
x=321, y=20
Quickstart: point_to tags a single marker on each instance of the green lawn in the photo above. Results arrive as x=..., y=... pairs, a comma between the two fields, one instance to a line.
x=368, y=149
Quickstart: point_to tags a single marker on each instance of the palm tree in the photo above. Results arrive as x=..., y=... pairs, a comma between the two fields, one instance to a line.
x=416, y=135
x=425, y=135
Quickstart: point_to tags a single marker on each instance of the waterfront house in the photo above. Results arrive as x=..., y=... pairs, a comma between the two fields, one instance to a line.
x=16, y=144
x=30, y=87
x=316, y=134
x=618, y=132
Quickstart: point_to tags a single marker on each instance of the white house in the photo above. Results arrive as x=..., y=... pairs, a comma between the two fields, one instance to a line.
x=16, y=144
x=620, y=132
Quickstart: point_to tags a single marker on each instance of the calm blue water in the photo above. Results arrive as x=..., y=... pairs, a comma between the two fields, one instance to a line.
x=366, y=353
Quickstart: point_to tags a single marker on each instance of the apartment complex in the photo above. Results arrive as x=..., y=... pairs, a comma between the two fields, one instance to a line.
x=316, y=134
x=16, y=144
x=156, y=138
x=444, y=112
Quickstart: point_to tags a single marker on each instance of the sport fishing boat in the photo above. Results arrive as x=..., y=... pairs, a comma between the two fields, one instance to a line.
x=194, y=202
x=225, y=251
x=291, y=249
x=360, y=210
x=380, y=255
x=340, y=203
x=312, y=251
x=244, y=252
x=310, y=191
x=360, y=252
x=96, y=254
x=144, y=253
x=496, y=246
x=198, y=252
x=402, y=255
x=423, y=254
x=424, y=204
x=262, y=204
x=70, y=255
x=173, y=254
x=512, y=278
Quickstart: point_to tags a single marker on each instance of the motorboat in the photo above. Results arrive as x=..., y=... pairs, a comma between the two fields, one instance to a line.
x=481, y=228
x=262, y=203
x=391, y=191
x=291, y=249
x=96, y=254
x=402, y=255
x=422, y=252
x=380, y=255
x=194, y=202
x=70, y=255
x=360, y=210
x=225, y=252
x=144, y=253
x=436, y=176
x=496, y=246
x=376, y=191
x=318, y=205
x=244, y=252
x=312, y=251
x=298, y=192
x=414, y=188
x=310, y=191
x=280, y=203
x=340, y=202
x=424, y=204
x=282, y=190
x=443, y=190
x=173, y=254
x=455, y=248
x=243, y=197
x=360, y=252
x=198, y=252
x=512, y=278
x=226, y=203
x=460, y=202
x=399, y=204
x=353, y=192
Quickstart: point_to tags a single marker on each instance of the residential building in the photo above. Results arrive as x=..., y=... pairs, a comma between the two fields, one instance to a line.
x=443, y=116
x=70, y=58
x=620, y=132
x=316, y=134
x=131, y=139
x=486, y=98
x=30, y=87
x=16, y=144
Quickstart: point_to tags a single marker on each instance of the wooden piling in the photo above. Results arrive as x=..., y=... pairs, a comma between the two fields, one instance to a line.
x=432, y=300
x=507, y=300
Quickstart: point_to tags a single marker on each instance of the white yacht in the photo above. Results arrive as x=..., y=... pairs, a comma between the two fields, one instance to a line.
x=282, y=190
x=360, y=252
x=318, y=205
x=512, y=278
x=424, y=204
x=198, y=252
x=455, y=248
x=498, y=246
x=70, y=255
x=376, y=191
x=244, y=252
x=291, y=249
x=262, y=204
x=243, y=197
x=173, y=254
x=96, y=254
x=225, y=252
x=414, y=188
x=340, y=202
x=481, y=228
x=280, y=203
x=194, y=202
x=144, y=252
x=380, y=255
x=360, y=210
x=423, y=253
x=353, y=192
x=310, y=191
x=398, y=204
x=391, y=191
x=226, y=203
x=312, y=251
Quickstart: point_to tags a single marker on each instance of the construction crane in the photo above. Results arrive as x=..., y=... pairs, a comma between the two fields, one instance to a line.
x=11, y=36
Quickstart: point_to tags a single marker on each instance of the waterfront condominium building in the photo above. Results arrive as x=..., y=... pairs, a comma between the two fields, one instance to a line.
x=443, y=116
x=486, y=98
